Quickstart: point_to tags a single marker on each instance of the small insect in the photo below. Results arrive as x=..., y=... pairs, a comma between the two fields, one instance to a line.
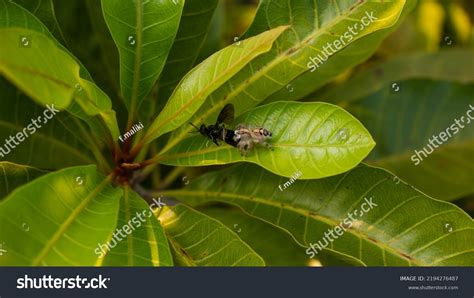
x=218, y=132
x=247, y=137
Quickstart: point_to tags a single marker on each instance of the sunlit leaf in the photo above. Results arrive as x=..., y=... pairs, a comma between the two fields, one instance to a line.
x=58, y=219
x=145, y=244
x=38, y=67
x=313, y=139
x=49, y=75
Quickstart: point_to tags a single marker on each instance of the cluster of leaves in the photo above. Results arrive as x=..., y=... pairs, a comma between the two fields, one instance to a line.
x=69, y=186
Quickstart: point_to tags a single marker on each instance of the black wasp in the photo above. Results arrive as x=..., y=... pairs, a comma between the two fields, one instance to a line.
x=217, y=132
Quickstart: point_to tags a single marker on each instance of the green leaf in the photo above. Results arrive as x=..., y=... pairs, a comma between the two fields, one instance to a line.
x=144, y=32
x=58, y=219
x=58, y=143
x=198, y=240
x=315, y=139
x=412, y=117
x=343, y=60
x=43, y=10
x=277, y=248
x=215, y=37
x=453, y=65
x=92, y=101
x=193, y=29
x=14, y=175
x=207, y=77
x=15, y=16
x=312, y=28
x=49, y=75
x=37, y=66
x=406, y=228
x=433, y=91
x=146, y=245
x=107, y=58
x=192, y=32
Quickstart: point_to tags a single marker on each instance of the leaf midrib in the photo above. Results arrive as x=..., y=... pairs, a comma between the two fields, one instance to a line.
x=154, y=249
x=138, y=57
x=126, y=198
x=223, y=147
